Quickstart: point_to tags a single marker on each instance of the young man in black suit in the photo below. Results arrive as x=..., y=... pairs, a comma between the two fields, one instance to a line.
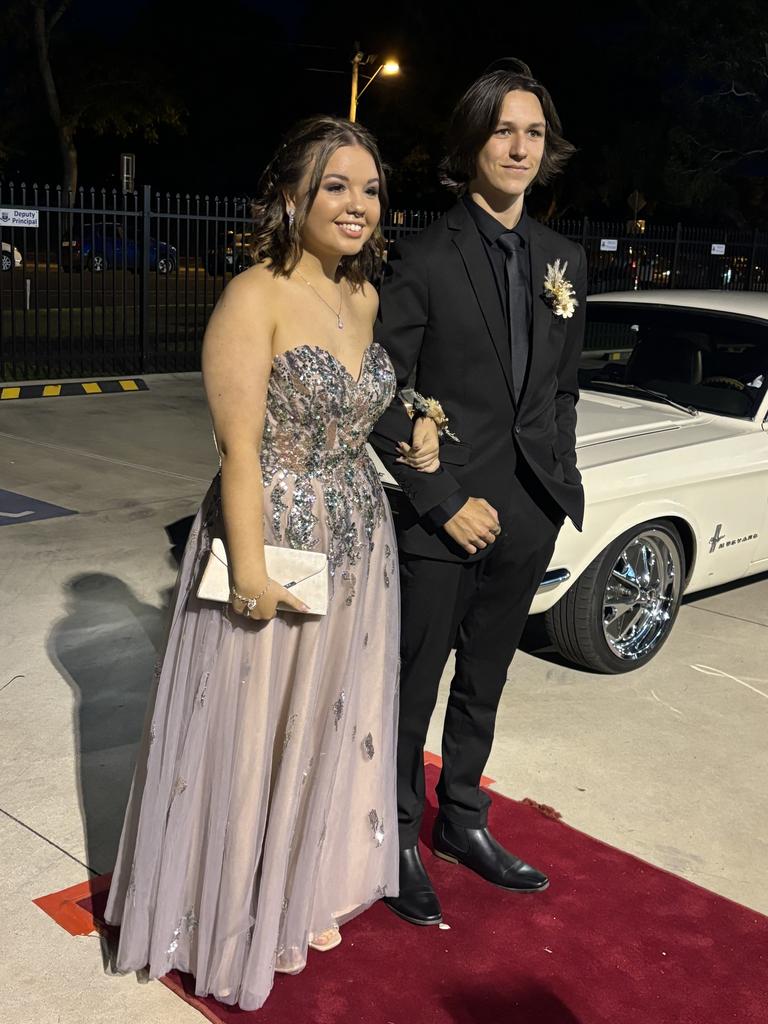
x=467, y=318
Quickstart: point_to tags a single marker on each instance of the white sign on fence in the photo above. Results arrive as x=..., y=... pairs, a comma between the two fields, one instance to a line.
x=10, y=218
x=717, y=249
x=609, y=244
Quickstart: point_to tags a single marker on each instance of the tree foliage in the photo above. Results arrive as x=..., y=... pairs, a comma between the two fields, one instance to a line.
x=80, y=81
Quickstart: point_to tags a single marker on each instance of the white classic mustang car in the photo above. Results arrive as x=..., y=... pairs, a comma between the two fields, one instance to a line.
x=672, y=444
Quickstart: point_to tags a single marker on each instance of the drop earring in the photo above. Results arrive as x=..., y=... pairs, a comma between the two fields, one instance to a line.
x=291, y=219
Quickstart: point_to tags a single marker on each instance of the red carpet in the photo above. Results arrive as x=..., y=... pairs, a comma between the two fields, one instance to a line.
x=613, y=941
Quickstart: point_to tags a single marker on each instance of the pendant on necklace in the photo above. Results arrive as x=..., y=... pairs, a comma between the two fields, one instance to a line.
x=340, y=322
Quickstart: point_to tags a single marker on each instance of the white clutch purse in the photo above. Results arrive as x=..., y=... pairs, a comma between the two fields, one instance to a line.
x=304, y=573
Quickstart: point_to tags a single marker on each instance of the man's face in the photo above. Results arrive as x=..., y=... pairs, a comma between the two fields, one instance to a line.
x=510, y=159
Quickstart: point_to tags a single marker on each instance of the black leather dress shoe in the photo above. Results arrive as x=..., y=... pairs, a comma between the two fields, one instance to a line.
x=477, y=850
x=417, y=902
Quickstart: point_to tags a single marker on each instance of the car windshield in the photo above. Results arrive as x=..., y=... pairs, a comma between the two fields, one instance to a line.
x=713, y=362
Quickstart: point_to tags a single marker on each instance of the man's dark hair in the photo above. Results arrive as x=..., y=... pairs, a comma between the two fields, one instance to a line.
x=476, y=116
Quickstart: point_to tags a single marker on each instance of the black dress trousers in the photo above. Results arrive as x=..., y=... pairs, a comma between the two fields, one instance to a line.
x=480, y=608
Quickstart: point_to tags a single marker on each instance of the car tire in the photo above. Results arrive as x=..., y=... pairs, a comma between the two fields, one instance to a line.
x=620, y=611
x=96, y=263
x=6, y=262
x=166, y=265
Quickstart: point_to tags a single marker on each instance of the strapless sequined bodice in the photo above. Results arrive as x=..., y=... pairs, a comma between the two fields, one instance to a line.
x=318, y=415
x=321, y=488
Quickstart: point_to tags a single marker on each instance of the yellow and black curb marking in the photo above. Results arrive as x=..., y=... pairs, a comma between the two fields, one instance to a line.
x=89, y=387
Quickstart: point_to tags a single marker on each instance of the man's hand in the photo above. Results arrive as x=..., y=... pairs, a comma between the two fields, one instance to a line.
x=474, y=526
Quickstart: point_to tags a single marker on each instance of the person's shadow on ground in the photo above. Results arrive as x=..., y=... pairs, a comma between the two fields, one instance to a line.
x=105, y=647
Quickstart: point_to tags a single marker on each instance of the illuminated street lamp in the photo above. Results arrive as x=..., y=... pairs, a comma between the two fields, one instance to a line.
x=389, y=67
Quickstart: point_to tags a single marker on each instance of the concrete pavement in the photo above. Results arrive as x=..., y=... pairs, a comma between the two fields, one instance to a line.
x=668, y=762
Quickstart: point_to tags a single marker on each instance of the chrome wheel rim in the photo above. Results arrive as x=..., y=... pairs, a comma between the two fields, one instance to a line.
x=641, y=595
x=97, y=263
x=163, y=266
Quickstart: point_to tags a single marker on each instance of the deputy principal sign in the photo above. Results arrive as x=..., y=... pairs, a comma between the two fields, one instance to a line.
x=19, y=218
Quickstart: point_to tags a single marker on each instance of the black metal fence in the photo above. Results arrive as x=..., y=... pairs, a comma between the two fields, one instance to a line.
x=634, y=255
x=100, y=283
x=111, y=283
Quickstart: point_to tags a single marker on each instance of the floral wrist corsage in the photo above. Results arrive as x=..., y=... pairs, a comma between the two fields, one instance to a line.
x=430, y=408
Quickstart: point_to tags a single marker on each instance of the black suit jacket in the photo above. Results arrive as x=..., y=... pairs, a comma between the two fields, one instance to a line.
x=442, y=323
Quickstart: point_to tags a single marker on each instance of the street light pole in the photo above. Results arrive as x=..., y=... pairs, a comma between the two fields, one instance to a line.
x=356, y=62
x=389, y=67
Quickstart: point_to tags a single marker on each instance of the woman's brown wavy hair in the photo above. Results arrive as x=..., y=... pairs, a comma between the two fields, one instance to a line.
x=475, y=119
x=309, y=145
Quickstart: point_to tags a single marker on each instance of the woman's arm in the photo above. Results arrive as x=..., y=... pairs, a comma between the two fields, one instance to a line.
x=400, y=330
x=422, y=452
x=237, y=362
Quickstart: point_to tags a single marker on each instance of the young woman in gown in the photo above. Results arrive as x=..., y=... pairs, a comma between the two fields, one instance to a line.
x=263, y=811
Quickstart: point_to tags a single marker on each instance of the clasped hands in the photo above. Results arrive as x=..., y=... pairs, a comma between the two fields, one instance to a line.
x=476, y=524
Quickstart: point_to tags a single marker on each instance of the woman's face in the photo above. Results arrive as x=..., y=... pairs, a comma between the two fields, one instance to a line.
x=346, y=209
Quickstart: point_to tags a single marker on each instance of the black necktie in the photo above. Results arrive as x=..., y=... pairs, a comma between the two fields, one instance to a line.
x=517, y=299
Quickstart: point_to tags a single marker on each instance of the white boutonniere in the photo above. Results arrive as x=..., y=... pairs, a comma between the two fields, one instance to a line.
x=558, y=290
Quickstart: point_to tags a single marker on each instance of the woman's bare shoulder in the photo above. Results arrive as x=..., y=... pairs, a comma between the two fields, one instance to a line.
x=256, y=284
x=244, y=318
x=367, y=298
x=250, y=297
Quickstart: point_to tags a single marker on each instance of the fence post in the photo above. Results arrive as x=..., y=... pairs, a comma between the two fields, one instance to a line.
x=676, y=254
x=752, y=258
x=584, y=225
x=144, y=286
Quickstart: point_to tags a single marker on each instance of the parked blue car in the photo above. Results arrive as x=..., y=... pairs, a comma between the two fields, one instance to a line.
x=110, y=246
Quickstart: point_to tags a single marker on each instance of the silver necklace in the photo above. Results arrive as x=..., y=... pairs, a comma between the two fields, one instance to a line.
x=339, y=321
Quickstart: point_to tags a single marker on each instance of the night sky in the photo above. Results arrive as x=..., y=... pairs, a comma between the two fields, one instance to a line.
x=628, y=81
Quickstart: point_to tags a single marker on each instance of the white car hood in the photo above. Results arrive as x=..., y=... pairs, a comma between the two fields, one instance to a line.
x=610, y=417
x=611, y=428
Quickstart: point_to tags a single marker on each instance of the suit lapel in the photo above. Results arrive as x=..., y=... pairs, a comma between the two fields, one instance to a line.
x=468, y=242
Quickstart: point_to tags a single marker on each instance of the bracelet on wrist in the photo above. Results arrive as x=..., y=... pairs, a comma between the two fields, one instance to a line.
x=249, y=602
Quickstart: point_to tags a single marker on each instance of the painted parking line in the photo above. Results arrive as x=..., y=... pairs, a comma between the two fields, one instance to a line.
x=119, y=386
x=19, y=508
